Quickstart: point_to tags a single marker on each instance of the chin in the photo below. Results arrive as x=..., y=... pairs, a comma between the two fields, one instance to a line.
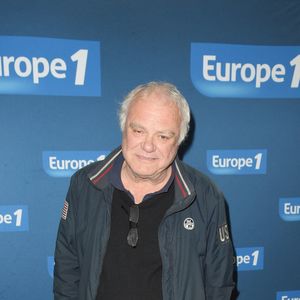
x=143, y=173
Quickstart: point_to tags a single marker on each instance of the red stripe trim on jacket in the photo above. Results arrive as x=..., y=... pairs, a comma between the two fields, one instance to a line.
x=183, y=191
x=95, y=180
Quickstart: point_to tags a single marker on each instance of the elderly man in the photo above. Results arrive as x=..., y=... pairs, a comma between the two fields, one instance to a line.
x=142, y=225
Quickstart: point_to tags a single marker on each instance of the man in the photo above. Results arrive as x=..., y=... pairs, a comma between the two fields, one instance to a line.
x=142, y=225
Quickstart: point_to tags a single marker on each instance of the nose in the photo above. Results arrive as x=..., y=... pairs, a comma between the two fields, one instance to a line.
x=148, y=144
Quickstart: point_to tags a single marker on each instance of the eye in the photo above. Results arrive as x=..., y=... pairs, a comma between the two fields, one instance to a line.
x=137, y=131
x=164, y=137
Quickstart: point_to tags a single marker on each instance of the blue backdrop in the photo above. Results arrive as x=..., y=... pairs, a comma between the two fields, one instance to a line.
x=66, y=65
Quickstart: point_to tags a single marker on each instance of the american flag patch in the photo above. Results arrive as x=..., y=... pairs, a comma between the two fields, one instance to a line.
x=64, y=211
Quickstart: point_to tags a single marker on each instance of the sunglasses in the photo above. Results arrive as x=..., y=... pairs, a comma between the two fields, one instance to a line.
x=132, y=237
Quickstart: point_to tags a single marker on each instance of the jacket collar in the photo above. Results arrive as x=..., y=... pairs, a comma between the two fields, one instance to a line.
x=98, y=174
x=184, y=184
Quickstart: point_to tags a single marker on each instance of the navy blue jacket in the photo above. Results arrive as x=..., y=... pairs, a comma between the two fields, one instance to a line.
x=195, y=247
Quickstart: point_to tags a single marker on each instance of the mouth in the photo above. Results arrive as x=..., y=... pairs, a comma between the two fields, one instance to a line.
x=146, y=158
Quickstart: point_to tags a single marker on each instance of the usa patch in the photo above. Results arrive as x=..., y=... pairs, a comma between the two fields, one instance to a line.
x=64, y=211
x=223, y=233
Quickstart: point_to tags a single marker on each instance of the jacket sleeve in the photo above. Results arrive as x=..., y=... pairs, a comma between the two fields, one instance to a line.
x=66, y=269
x=219, y=252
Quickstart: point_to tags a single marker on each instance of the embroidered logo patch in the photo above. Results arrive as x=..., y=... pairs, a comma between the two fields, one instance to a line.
x=189, y=224
x=224, y=233
x=64, y=212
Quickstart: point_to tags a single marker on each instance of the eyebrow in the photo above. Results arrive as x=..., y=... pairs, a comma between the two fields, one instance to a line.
x=134, y=125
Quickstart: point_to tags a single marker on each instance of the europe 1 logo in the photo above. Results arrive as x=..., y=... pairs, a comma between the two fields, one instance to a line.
x=48, y=66
x=14, y=218
x=249, y=259
x=246, y=71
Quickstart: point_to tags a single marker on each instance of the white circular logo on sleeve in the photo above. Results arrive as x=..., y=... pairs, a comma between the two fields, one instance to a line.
x=189, y=224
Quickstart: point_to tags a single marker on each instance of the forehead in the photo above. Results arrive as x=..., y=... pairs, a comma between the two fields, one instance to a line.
x=155, y=102
x=154, y=114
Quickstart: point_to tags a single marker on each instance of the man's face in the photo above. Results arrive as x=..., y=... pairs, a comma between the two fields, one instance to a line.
x=150, y=136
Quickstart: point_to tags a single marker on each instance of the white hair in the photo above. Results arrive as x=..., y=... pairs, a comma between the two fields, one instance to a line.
x=173, y=95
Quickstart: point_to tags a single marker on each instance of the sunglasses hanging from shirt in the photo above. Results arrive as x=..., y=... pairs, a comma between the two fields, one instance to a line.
x=132, y=237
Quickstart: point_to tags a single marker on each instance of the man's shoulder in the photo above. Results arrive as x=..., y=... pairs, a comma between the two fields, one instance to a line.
x=199, y=180
x=83, y=173
x=195, y=176
x=91, y=168
x=97, y=167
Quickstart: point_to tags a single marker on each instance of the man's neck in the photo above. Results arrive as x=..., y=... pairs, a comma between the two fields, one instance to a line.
x=139, y=186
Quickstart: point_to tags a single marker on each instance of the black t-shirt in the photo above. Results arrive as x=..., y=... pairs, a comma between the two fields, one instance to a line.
x=134, y=273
